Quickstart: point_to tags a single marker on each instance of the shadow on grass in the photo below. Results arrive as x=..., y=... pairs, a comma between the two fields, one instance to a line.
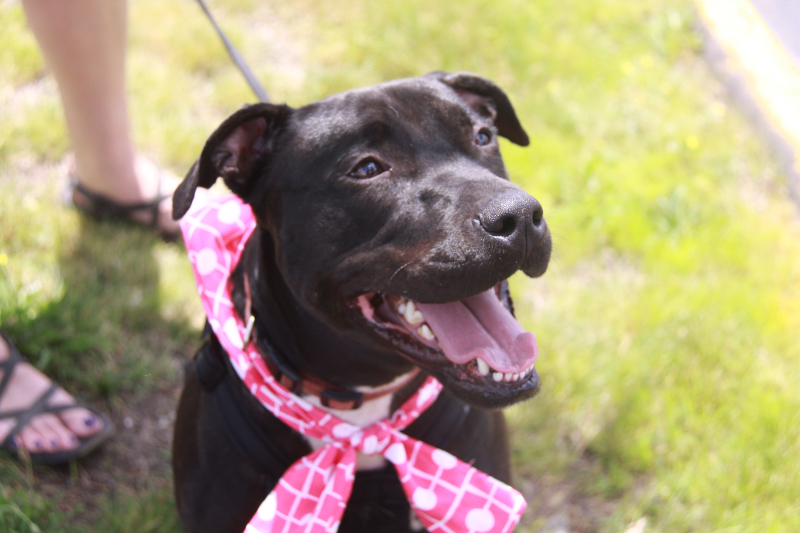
x=107, y=336
x=106, y=333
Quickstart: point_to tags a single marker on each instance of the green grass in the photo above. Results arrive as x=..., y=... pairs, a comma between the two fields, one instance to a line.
x=667, y=322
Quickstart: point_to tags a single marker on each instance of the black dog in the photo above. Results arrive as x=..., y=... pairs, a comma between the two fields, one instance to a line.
x=373, y=206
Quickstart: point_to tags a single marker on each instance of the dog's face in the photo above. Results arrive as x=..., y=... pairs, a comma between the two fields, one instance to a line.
x=392, y=217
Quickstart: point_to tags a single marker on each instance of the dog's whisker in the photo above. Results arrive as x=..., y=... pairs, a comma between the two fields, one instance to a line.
x=399, y=269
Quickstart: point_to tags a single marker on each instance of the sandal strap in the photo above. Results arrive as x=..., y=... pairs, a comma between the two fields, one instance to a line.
x=103, y=206
x=40, y=406
x=8, y=365
x=24, y=416
x=8, y=368
x=54, y=409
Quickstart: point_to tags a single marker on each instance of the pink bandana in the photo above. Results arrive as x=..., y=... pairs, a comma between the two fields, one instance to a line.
x=446, y=494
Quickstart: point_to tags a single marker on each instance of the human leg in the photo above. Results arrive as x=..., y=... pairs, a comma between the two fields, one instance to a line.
x=84, y=43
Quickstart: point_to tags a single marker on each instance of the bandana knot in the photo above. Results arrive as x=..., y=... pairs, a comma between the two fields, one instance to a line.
x=446, y=494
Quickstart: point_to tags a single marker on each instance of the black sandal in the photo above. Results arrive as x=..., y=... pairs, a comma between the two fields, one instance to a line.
x=41, y=406
x=101, y=207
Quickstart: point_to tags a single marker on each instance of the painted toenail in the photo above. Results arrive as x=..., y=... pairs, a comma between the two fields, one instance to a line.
x=54, y=442
x=90, y=421
x=37, y=444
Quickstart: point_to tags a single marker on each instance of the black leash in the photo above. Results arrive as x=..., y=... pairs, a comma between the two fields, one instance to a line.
x=257, y=88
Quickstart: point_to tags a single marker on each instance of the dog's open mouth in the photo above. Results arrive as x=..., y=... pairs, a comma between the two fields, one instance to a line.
x=476, y=343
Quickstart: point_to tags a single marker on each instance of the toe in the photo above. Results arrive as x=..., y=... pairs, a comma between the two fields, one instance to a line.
x=31, y=440
x=78, y=421
x=37, y=436
x=61, y=438
x=81, y=422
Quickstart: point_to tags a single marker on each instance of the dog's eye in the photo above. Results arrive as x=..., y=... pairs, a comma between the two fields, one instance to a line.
x=483, y=137
x=368, y=168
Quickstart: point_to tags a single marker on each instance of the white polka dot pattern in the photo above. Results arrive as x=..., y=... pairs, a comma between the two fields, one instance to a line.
x=447, y=495
x=480, y=520
x=424, y=499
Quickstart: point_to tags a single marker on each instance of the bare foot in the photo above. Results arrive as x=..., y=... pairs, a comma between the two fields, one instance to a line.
x=46, y=432
x=149, y=177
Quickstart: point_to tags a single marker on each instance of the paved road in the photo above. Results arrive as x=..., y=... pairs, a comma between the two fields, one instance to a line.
x=783, y=18
x=760, y=43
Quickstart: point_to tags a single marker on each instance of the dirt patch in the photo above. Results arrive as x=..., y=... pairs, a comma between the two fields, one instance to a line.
x=137, y=458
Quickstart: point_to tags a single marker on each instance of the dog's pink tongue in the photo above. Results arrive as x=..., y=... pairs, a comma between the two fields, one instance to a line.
x=481, y=326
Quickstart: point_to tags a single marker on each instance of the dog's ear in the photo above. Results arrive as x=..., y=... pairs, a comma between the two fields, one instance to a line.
x=237, y=152
x=487, y=99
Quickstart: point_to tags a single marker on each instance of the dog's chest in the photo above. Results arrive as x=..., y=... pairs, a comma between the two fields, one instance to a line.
x=370, y=412
x=366, y=415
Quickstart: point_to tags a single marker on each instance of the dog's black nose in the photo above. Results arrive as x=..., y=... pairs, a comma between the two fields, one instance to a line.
x=511, y=215
x=515, y=219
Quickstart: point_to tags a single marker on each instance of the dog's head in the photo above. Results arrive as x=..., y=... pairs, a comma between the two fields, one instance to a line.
x=392, y=216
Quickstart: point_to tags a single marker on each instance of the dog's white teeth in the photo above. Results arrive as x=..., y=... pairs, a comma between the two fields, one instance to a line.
x=425, y=332
x=508, y=377
x=483, y=366
x=410, y=312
